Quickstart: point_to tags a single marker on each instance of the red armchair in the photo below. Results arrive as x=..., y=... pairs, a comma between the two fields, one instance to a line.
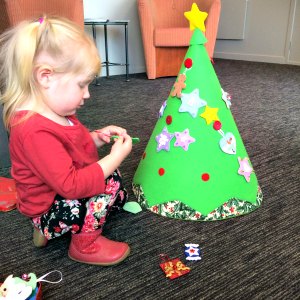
x=166, y=34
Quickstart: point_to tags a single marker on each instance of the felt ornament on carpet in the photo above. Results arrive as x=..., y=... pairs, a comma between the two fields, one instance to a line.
x=195, y=165
x=8, y=194
x=132, y=207
x=173, y=268
x=26, y=287
x=192, y=252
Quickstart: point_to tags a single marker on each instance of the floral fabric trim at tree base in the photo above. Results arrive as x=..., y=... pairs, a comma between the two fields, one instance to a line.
x=177, y=210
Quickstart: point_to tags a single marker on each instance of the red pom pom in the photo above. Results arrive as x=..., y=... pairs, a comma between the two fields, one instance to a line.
x=217, y=125
x=205, y=176
x=161, y=171
x=169, y=120
x=188, y=63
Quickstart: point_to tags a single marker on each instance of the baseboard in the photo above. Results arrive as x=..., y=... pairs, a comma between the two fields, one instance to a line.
x=291, y=62
x=121, y=70
x=251, y=57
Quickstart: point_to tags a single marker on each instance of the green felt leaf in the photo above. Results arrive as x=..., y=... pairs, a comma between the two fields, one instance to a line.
x=132, y=207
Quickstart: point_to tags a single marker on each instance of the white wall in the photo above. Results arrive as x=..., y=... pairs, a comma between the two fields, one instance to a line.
x=267, y=33
x=118, y=10
x=294, y=46
x=266, y=37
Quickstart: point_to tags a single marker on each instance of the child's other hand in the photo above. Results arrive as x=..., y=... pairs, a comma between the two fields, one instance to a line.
x=104, y=134
x=122, y=146
x=119, y=151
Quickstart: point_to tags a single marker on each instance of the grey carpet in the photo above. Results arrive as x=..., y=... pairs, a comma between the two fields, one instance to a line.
x=251, y=257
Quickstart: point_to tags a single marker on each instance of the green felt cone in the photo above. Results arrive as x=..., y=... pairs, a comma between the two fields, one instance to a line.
x=195, y=166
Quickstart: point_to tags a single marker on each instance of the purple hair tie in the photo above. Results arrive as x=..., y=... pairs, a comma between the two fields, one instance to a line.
x=41, y=20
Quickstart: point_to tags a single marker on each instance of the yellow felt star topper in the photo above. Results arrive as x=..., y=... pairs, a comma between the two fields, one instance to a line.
x=196, y=17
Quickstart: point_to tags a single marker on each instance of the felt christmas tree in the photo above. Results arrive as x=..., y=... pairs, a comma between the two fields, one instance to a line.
x=195, y=166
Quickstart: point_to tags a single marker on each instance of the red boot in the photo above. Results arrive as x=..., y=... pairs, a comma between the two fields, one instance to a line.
x=95, y=249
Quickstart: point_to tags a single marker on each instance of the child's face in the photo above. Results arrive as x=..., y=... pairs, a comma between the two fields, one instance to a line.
x=65, y=96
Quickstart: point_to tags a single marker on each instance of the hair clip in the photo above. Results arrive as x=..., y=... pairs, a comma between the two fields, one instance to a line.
x=41, y=20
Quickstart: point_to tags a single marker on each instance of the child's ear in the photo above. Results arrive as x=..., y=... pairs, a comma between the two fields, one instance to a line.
x=44, y=75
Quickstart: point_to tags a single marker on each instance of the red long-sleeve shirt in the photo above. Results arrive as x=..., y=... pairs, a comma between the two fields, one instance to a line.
x=49, y=159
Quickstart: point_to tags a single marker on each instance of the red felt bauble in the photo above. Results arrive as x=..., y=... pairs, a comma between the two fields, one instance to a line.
x=217, y=125
x=169, y=119
x=188, y=63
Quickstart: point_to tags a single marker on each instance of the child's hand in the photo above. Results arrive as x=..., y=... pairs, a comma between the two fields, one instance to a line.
x=103, y=136
x=122, y=146
x=119, y=151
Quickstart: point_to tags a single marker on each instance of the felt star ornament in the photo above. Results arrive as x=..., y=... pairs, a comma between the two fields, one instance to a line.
x=210, y=114
x=163, y=140
x=162, y=109
x=226, y=98
x=245, y=168
x=183, y=139
x=191, y=103
x=196, y=18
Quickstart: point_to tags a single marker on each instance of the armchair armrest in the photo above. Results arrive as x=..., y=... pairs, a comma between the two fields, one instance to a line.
x=147, y=30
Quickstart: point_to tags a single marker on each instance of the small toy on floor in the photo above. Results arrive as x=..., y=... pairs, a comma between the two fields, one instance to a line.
x=28, y=287
x=192, y=252
x=173, y=268
x=8, y=194
x=132, y=207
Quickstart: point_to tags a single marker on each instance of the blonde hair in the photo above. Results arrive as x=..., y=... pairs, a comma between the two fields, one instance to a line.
x=66, y=43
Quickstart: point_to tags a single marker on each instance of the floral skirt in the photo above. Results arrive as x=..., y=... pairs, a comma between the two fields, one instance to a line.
x=82, y=215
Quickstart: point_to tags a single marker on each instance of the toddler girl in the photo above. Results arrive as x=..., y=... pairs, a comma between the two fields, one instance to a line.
x=46, y=67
